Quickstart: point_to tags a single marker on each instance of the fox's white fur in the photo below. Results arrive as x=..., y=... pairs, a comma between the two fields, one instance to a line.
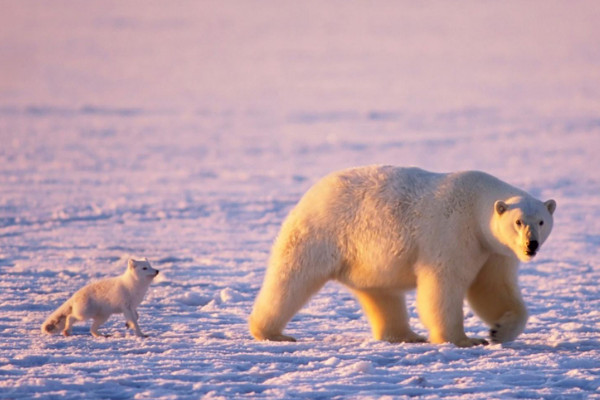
x=99, y=300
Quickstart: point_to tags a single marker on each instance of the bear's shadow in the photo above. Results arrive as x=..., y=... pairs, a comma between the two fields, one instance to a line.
x=566, y=346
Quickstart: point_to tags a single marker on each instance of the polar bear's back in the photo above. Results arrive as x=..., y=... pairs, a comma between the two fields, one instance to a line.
x=365, y=190
x=365, y=217
x=386, y=193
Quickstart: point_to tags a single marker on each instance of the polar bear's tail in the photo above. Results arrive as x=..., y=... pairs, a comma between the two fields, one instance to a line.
x=56, y=321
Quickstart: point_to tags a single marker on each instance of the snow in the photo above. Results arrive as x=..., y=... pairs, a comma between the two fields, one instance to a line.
x=185, y=133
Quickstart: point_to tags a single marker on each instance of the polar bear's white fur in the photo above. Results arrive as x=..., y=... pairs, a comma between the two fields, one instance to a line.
x=383, y=230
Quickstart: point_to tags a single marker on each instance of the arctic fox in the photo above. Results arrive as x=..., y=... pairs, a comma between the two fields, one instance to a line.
x=99, y=300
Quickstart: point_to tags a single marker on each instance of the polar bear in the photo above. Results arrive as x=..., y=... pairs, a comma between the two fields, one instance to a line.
x=384, y=230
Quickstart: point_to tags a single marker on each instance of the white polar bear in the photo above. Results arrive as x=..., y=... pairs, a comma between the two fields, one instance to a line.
x=383, y=230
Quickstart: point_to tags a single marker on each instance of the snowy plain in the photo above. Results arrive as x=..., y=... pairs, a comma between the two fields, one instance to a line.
x=185, y=132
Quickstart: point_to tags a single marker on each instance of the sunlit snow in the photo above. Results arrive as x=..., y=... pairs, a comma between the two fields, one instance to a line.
x=185, y=131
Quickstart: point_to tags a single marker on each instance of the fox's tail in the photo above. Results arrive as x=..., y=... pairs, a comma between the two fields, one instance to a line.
x=56, y=321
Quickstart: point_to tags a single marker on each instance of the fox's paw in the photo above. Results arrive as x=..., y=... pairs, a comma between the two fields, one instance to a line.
x=100, y=335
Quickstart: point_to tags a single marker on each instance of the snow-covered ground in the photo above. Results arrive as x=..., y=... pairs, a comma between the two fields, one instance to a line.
x=185, y=131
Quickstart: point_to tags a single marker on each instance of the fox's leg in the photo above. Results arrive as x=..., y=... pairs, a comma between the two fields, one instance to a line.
x=99, y=320
x=132, y=320
x=69, y=321
x=130, y=325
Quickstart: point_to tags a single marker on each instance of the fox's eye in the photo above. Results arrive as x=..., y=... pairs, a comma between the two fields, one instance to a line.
x=519, y=223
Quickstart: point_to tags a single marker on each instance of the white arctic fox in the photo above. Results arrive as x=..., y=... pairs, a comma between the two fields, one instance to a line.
x=119, y=295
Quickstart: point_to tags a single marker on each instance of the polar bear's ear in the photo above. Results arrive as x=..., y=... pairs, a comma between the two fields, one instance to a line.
x=500, y=207
x=131, y=263
x=551, y=206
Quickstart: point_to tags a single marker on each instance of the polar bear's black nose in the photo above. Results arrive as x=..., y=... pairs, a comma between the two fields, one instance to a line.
x=532, y=246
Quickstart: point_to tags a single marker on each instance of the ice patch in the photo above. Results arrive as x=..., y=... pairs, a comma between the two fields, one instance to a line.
x=229, y=295
x=193, y=299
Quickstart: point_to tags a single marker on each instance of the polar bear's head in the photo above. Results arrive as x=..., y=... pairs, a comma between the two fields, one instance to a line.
x=522, y=224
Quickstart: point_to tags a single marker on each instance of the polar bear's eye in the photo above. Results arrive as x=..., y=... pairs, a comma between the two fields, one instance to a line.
x=519, y=223
x=541, y=223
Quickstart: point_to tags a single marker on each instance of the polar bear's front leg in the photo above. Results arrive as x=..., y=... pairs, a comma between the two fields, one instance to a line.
x=439, y=302
x=508, y=327
x=387, y=314
x=496, y=298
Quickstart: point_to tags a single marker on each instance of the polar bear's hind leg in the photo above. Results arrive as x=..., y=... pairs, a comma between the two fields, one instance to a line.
x=295, y=274
x=280, y=298
x=386, y=311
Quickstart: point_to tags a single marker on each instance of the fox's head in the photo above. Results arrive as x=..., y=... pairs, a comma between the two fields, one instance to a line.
x=141, y=269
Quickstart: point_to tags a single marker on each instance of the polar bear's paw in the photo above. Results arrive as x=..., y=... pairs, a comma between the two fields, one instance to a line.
x=280, y=338
x=507, y=328
x=272, y=337
x=409, y=338
x=267, y=331
x=470, y=342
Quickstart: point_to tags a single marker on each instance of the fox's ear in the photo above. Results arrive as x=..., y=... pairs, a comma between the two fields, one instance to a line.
x=131, y=263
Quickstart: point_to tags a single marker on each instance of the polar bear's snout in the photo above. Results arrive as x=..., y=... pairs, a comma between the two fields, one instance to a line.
x=532, y=247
